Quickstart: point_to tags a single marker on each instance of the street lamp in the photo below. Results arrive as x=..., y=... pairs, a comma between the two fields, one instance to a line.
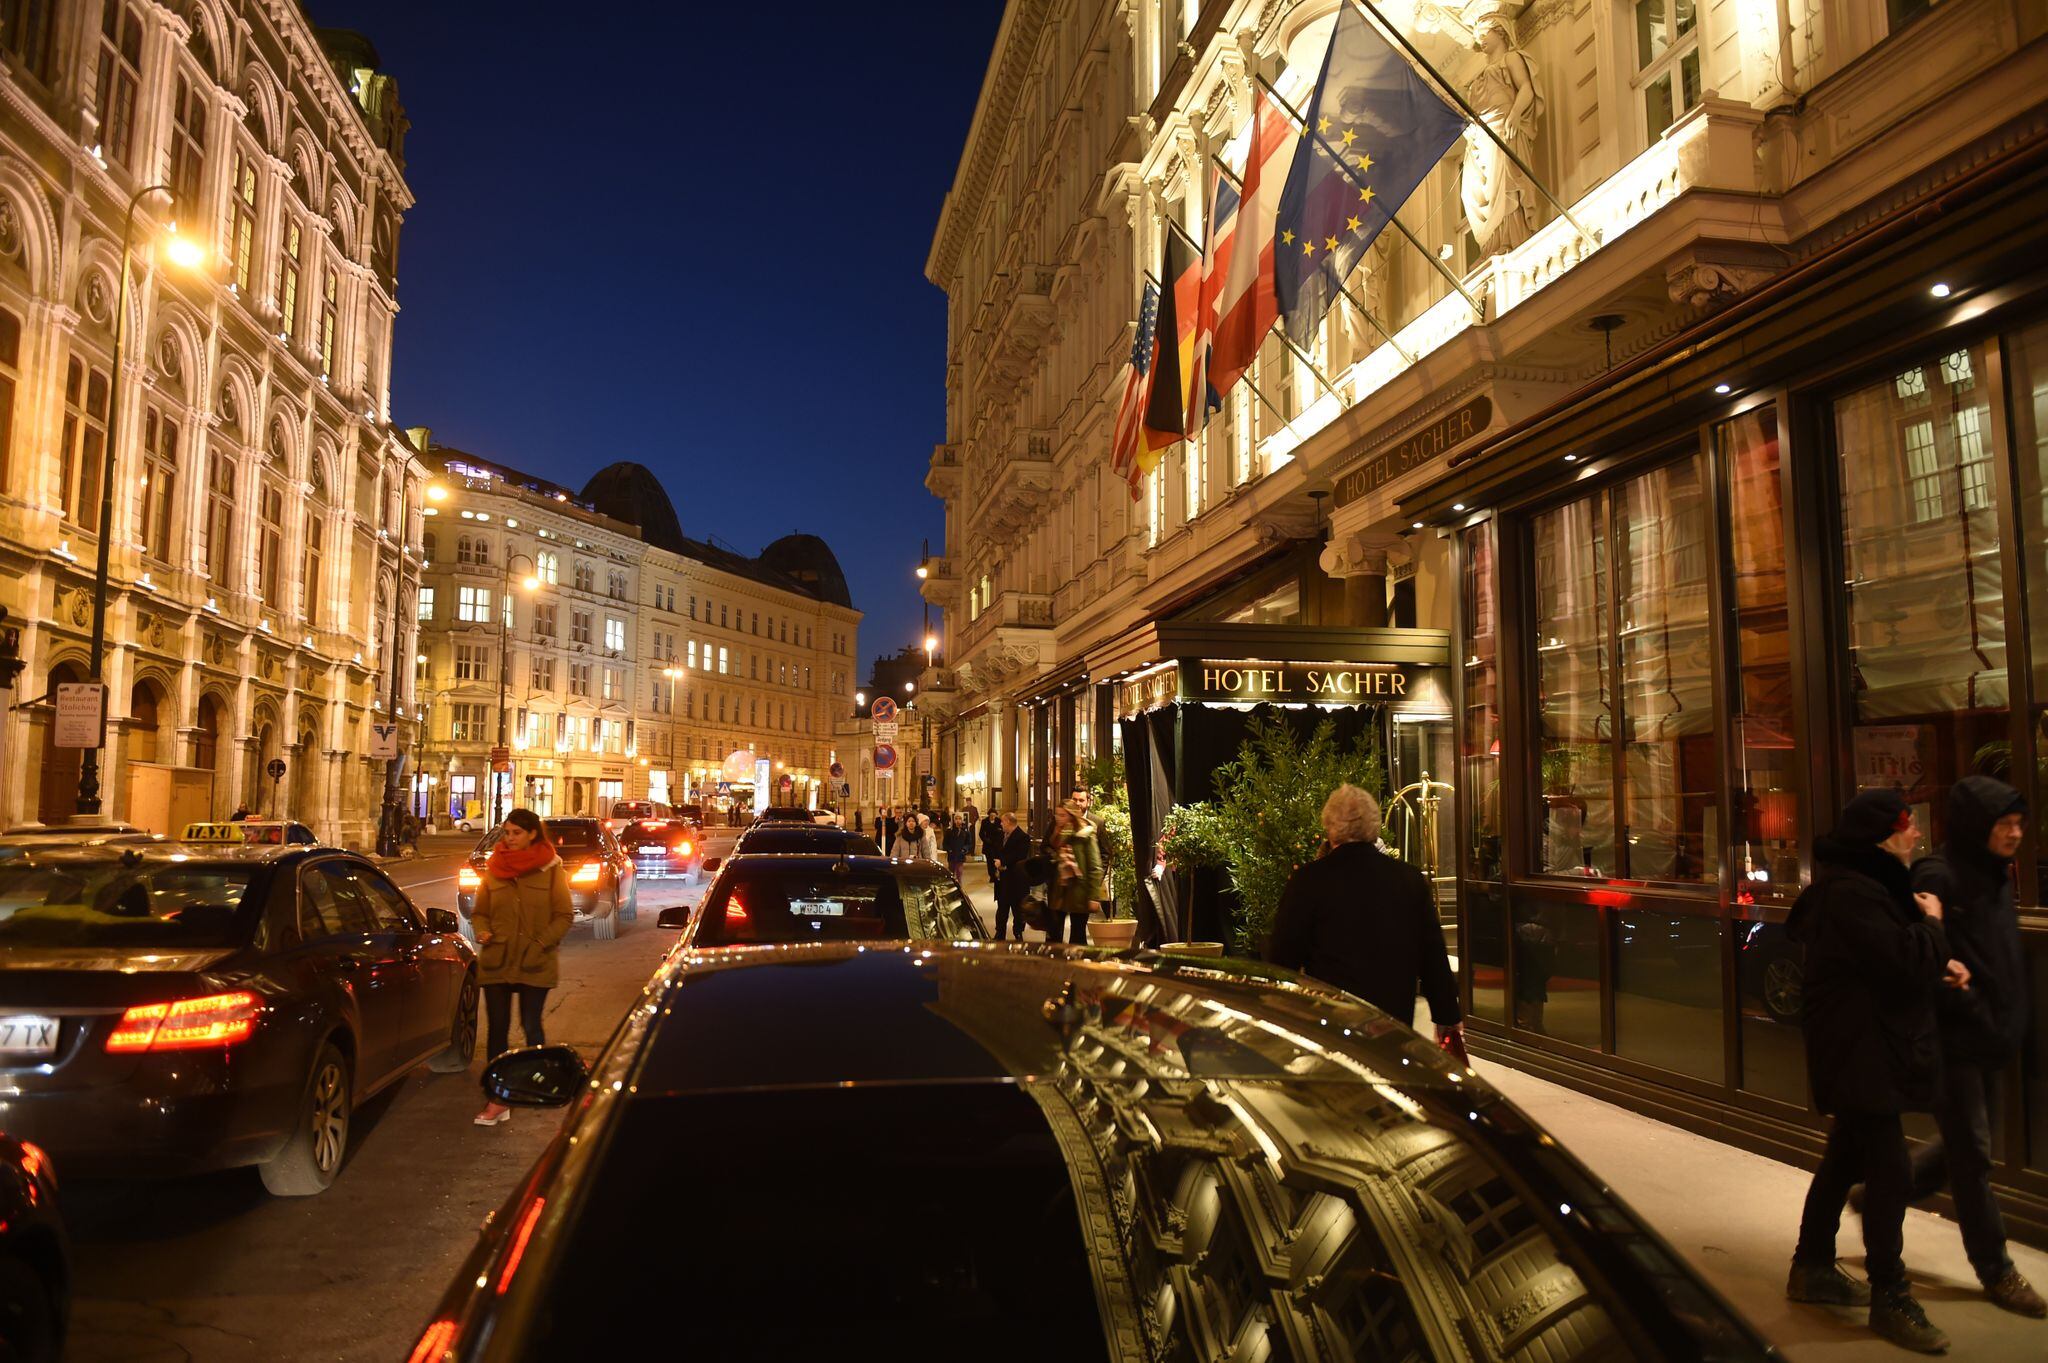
x=504, y=606
x=388, y=822
x=188, y=255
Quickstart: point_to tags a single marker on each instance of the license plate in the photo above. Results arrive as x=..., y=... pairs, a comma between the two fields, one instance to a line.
x=28, y=1034
x=816, y=908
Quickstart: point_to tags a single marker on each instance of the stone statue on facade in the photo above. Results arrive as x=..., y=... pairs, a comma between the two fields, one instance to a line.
x=1500, y=203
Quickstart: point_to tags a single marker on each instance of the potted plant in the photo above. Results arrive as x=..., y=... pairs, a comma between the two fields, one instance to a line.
x=1110, y=812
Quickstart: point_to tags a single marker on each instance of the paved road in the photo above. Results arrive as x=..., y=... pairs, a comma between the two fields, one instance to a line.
x=213, y=1268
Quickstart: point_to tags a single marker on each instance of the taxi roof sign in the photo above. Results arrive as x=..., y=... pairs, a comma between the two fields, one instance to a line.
x=259, y=832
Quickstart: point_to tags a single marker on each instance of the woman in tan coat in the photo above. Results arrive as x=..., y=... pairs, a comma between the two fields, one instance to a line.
x=522, y=913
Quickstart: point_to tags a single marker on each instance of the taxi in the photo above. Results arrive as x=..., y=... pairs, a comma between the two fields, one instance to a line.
x=250, y=832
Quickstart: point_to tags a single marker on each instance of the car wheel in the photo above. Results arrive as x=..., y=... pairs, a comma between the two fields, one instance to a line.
x=633, y=901
x=1784, y=987
x=31, y=1329
x=462, y=1035
x=604, y=920
x=312, y=1157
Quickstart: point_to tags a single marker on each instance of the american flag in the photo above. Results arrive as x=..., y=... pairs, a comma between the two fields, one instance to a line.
x=1130, y=412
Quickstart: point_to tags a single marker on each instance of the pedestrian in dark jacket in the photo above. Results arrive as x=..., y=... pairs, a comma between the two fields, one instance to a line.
x=1876, y=956
x=1012, y=881
x=990, y=835
x=959, y=845
x=887, y=824
x=1982, y=1025
x=1366, y=922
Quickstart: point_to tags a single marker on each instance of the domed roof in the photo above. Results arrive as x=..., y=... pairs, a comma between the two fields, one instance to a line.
x=631, y=493
x=810, y=561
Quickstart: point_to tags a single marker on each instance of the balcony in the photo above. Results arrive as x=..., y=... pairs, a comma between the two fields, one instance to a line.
x=942, y=477
x=1012, y=635
x=1024, y=321
x=1011, y=491
x=941, y=582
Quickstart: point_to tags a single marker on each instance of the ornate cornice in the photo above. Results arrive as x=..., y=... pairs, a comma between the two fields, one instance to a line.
x=1016, y=48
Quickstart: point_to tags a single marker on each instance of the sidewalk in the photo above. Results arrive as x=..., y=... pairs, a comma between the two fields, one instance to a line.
x=1734, y=1216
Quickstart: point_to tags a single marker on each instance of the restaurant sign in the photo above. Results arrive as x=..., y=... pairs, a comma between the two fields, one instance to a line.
x=1310, y=683
x=1438, y=438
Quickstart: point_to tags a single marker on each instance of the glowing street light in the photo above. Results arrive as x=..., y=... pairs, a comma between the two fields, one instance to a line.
x=436, y=493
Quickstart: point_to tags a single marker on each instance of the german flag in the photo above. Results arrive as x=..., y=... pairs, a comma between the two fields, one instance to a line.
x=1180, y=308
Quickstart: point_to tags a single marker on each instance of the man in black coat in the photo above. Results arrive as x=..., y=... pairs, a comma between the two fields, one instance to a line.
x=1983, y=1026
x=886, y=822
x=991, y=835
x=1365, y=922
x=1012, y=880
x=1876, y=956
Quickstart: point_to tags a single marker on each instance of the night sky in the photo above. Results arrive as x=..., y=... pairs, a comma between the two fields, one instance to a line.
x=693, y=237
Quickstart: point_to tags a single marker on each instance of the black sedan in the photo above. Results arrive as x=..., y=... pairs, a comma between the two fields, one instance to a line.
x=170, y=1009
x=603, y=881
x=804, y=837
x=826, y=897
x=663, y=849
x=943, y=1151
x=35, y=1258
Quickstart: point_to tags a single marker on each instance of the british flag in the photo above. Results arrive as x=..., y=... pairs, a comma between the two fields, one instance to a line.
x=1130, y=412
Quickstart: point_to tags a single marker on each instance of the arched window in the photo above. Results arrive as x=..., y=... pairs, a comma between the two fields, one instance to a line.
x=313, y=555
x=142, y=722
x=159, y=480
x=120, y=75
x=10, y=375
x=242, y=221
x=427, y=547
x=288, y=283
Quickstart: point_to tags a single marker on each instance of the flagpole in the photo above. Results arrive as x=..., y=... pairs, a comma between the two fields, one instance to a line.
x=1351, y=173
x=1306, y=360
x=1223, y=167
x=1445, y=88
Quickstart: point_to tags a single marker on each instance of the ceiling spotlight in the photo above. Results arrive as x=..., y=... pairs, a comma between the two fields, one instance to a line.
x=1941, y=291
x=1416, y=526
x=1457, y=506
x=1571, y=459
x=1723, y=389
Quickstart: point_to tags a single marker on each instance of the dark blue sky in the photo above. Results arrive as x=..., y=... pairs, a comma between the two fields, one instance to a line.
x=691, y=236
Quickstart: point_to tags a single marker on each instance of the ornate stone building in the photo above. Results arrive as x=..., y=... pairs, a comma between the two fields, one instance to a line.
x=262, y=503
x=604, y=598
x=1662, y=526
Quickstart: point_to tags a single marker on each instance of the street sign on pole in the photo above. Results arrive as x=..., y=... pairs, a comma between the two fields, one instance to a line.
x=883, y=711
x=885, y=759
x=274, y=769
x=383, y=741
x=81, y=711
x=501, y=759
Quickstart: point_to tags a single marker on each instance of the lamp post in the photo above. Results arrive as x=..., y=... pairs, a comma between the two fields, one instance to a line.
x=675, y=676
x=186, y=254
x=504, y=605
x=387, y=826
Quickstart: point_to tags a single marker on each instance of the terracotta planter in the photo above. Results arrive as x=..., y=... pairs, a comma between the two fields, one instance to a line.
x=1112, y=932
x=1193, y=948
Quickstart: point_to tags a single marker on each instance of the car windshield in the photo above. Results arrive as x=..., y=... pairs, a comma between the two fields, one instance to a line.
x=755, y=904
x=573, y=835
x=105, y=903
x=632, y=809
x=775, y=838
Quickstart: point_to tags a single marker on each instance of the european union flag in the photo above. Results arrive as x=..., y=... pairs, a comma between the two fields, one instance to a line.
x=1390, y=129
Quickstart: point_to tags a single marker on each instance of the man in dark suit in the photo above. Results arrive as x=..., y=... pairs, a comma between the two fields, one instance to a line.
x=1012, y=881
x=991, y=835
x=1365, y=922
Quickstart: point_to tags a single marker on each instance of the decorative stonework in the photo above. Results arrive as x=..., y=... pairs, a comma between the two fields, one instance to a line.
x=1701, y=284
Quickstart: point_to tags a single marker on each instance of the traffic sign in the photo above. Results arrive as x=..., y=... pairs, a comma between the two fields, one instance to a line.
x=725, y=787
x=81, y=708
x=838, y=770
x=885, y=759
x=384, y=740
x=501, y=759
x=274, y=768
x=883, y=711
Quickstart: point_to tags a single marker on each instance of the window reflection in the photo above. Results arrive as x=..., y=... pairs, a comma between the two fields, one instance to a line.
x=1575, y=833
x=1667, y=992
x=1557, y=970
x=1770, y=976
x=1479, y=741
x=1925, y=602
x=2029, y=389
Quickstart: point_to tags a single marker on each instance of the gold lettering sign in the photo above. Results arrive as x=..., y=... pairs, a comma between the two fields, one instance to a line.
x=1433, y=441
x=1322, y=683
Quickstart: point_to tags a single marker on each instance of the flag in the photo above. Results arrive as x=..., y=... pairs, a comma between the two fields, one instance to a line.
x=1180, y=297
x=1137, y=382
x=1245, y=304
x=1222, y=237
x=1373, y=110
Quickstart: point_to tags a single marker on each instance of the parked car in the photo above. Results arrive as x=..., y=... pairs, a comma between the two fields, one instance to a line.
x=804, y=837
x=783, y=814
x=253, y=832
x=603, y=884
x=663, y=849
x=170, y=1009
x=1771, y=970
x=35, y=1257
x=692, y=815
x=830, y=896
x=1028, y=1153
x=77, y=835
x=628, y=811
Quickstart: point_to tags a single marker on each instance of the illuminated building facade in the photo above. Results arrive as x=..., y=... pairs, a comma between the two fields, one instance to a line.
x=1723, y=494
x=259, y=579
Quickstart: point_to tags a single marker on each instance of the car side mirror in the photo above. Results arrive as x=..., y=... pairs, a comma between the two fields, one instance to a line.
x=675, y=916
x=713, y=863
x=443, y=920
x=536, y=1076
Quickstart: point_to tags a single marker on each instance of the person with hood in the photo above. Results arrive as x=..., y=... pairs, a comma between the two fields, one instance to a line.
x=522, y=913
x=914, y=840
x=1876, y=957
x=1983, y=1026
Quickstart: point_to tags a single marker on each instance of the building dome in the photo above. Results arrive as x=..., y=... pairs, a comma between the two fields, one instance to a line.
x=631, y=493
x=808, y=560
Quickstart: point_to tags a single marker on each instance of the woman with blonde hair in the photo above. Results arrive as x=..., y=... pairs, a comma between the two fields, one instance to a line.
x=1076, y=887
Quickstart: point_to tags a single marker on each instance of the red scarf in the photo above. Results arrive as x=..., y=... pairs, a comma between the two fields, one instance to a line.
x=507, y=864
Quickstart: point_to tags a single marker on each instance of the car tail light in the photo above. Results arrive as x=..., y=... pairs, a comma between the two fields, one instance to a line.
x=735, y=912
x=434, y=1344
x=654, y=823
x=520, y=1235
x=686, y=847
x=187, y=1024
x=586, y=874
x=468, y=879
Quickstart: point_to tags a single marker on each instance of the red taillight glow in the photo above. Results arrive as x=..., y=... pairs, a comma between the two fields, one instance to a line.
x=214, y=1020
x=433, y=1345
x=467, y=878
x=33, y=1160
x=686, y=847
x=734, y=910
x=586, y=874
x=520, y=1236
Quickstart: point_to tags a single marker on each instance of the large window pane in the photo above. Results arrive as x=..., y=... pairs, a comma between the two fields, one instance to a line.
x=1486, y=957
x=1924, y=600
x=1575, y=814
x=1765, y=838
x=1479, y=739
x=1770, y=977
x=1667, y=992
x=2029, y=387
x=1671, y=801
x=1557, y=970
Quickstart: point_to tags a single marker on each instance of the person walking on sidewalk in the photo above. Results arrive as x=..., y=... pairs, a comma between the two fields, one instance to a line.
x=1076, y=889
x=886, y=825
x=959, y=845
x=1983, y=1026
x=991, y=836
x=1010, y=877
x=1367, y=922
x=1876, y=956
x=523, y=911
x=914, y=841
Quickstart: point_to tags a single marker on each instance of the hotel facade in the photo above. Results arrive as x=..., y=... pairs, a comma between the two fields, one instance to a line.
x=1640, y=537
x=260, y=585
